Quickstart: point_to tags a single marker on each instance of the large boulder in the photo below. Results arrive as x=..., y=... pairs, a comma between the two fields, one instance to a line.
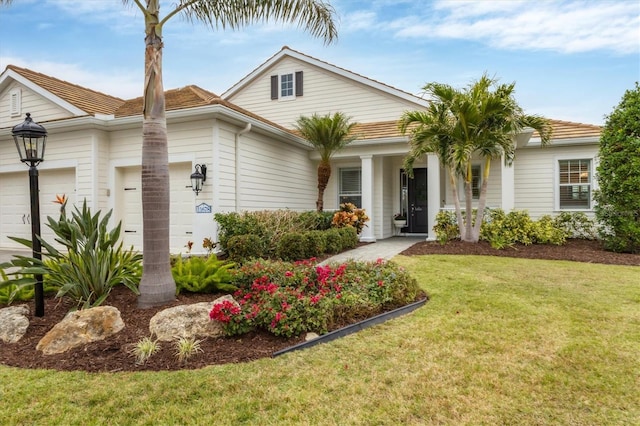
x=14, y=322
x=187, y=321
x=81, y=327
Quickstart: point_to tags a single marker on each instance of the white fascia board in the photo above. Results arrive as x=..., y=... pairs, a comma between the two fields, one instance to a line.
x=536, y=142
x=40, y=91
x=327, y=67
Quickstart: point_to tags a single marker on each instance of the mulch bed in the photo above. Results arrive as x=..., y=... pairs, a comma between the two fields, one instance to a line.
x=114, y=354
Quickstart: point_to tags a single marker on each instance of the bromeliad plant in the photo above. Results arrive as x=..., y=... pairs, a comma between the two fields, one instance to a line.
x=91, y=262
x=288, y=299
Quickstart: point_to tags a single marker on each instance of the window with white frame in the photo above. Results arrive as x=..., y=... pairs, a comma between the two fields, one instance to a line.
x=286, y=86
x=574, y=177
x=350, y=190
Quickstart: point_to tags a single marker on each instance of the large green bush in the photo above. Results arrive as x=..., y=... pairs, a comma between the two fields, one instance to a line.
x=618, y=196
x=502, y=229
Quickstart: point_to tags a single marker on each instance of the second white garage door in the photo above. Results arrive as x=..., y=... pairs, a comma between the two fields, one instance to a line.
x=181, y=210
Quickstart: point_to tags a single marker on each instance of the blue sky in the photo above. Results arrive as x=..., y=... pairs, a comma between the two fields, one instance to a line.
x=571, y=60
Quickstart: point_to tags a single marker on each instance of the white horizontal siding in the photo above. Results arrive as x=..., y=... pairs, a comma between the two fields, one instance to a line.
x=324, y=92
x=274, y=175
x=41, y=109
x=534, y=176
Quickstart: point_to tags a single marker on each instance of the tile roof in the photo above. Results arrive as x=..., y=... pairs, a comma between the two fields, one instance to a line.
x=571, y=130
x=561, y=130
x=90, y=101
x=190, y=97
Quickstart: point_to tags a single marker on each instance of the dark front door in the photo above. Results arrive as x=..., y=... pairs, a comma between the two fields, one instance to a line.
x=417, y=197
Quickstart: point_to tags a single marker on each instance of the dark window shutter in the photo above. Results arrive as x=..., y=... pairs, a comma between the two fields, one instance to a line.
x=298, y=83
x=274, y=87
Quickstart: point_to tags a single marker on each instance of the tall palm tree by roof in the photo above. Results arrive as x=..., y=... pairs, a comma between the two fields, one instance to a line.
x=328, y=134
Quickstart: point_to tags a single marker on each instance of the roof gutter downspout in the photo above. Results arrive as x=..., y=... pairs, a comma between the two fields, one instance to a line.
x=247, y=129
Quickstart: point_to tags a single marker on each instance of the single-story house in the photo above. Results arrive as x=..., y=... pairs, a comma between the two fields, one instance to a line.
x=254, y=158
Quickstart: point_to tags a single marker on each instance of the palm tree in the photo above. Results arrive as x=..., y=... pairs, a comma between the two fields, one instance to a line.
x=316, y=16
x=461, y=124
x=328, y=134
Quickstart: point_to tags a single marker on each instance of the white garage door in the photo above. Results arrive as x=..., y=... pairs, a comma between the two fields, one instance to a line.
x=15, y=204
x=181, y=210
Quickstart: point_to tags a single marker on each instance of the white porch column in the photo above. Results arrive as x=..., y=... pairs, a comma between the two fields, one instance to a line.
x=367, y=196
x=433, y=193
x=508, y=187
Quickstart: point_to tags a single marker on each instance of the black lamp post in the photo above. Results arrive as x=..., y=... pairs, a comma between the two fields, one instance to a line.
x=198, y=178
x=30, y=139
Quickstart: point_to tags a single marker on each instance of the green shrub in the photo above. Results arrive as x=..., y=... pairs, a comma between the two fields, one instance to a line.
x=314, y=220
x=92, y=263
x=348, y=237
x=446, y=227
x=333, y=240
x=315, y=243
x=240, y=247
x=547, y=232
x=618, y=198
x=291, y=247
x=200, y=275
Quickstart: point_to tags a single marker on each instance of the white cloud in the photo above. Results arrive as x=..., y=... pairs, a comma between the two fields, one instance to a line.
x=122, y=83
x=568, y=27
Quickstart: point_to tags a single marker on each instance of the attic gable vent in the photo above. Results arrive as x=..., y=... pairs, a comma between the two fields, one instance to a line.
x=15, y=100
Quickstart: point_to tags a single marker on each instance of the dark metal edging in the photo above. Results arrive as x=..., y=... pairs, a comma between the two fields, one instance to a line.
x=353, y=328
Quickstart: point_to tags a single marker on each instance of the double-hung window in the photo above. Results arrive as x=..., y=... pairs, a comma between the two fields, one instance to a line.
x=350, y=190
x=286, y=86
x=575, y=184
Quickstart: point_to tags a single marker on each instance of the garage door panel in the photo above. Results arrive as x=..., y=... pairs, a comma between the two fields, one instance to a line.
x=15, y=203
x=181, y=207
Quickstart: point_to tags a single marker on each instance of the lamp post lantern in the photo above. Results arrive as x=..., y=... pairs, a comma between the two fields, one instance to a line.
x=30, y=139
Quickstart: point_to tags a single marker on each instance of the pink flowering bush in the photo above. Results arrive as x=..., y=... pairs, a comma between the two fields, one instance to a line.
x=288, y=299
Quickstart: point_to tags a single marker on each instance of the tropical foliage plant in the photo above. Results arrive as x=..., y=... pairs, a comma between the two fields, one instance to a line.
x=202, y=275
x=91, y=262
x=618, y=197
x=350, y=215
x=482, y=121
x=328, y=134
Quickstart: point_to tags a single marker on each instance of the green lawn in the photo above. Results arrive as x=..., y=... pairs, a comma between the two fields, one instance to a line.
x=502, y=341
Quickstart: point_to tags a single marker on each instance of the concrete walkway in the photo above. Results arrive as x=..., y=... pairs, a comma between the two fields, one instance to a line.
x=381, y=249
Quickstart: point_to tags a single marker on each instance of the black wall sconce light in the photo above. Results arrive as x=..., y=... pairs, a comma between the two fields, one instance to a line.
x=198, y=178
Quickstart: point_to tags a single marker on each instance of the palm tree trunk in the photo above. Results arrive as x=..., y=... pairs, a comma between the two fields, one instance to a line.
x=157, y=286
x=468, y=198
x=324, y=173
x=456, y=200
x=482, y=202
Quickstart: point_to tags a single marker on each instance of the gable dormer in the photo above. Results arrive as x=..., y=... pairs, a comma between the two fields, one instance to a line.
x=23, y=90
x=290, y=84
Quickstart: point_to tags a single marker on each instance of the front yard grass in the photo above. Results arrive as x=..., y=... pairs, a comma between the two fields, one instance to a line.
x=502, y=341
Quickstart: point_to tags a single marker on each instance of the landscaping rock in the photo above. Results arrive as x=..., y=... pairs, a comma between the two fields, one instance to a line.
x=13, y=323
x=81, y=327
x=187, y=321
